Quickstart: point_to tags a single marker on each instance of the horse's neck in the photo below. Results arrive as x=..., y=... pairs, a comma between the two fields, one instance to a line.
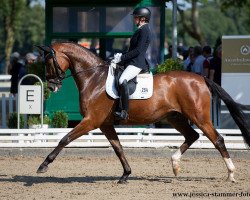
x=84, y=68
x=90, y=86
x=80, y=54
x=86, y=71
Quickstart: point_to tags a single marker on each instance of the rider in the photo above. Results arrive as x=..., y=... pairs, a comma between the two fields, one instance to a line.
x=135, y=59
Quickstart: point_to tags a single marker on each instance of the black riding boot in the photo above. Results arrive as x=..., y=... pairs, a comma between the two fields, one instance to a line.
x=123, y=103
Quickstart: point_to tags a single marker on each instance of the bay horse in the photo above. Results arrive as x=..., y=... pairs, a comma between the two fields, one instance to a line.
x=178, y=96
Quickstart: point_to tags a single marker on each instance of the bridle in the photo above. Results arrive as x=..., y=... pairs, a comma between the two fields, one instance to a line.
x=60, y=74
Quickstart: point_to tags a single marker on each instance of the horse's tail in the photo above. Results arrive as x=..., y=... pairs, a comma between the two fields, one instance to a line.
x=234, y=108
x=244, y=107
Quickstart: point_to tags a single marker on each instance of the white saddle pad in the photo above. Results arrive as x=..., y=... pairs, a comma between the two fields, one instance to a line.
x=144, y=86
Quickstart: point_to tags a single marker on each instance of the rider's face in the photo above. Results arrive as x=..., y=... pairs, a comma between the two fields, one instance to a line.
x=136, y=20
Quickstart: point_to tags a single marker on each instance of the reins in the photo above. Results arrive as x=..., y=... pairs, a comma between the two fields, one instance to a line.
x=84, y=70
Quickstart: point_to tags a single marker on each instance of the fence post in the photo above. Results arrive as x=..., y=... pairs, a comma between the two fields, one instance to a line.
x=90, y=134
x=139, y=134
x=150, y=135
x=11, y=97
x=3, y=111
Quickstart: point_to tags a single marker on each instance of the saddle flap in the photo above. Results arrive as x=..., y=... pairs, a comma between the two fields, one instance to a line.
x=144, y=75
x=143, y=83
x=131, y=84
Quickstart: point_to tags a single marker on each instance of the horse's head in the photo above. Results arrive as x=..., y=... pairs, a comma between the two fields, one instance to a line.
x=56, y=64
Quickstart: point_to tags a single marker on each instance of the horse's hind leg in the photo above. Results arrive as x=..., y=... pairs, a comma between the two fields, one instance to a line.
x=180, y=123
x=111, y=135
x=219, y=144
x=82, y=128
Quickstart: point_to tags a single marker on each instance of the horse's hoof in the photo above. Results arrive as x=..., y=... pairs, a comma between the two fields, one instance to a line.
x=42, y=169
x=176, y=170
x=122, y=182
x=176, y=167
x=231, y=179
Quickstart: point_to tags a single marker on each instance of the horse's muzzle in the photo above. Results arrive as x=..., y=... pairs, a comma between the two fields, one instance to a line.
x=54, y=87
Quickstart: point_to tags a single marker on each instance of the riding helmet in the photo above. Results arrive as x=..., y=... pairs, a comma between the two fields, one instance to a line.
x=142, y=12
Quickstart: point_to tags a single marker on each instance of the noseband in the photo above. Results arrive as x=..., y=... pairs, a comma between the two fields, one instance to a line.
x=60, y=74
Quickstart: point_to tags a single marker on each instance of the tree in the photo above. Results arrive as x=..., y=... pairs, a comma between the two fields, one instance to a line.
x=190, y=21
x=32, y=30
x=211, y=23
x=11, y=11
x=212, y=27
x=235, y=8
x=22, y=24
x=233, y=3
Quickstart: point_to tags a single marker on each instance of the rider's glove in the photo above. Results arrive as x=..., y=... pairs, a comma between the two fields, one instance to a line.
x=117, y=58
x=113, y=65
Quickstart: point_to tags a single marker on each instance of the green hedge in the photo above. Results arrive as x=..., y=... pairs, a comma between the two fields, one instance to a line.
x=60, y=119
x=170, y=65
x=12, y=120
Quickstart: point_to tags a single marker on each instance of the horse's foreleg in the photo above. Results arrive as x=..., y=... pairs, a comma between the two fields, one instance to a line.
x=111, y=135
x=180, y=123
x=82, y=128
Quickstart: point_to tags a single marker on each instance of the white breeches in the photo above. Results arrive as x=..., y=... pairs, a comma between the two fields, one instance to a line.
x=129, y=73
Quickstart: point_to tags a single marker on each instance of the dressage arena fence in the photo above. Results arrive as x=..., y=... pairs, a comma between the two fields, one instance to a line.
x=129, y=137
x=8, y=106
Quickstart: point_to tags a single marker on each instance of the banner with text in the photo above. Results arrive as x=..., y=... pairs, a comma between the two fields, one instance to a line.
x=236, y=54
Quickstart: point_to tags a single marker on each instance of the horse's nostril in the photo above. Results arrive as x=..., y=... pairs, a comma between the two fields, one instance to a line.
x=51, y=88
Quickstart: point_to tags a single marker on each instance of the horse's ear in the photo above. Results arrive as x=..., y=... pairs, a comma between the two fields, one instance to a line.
x=46, y=49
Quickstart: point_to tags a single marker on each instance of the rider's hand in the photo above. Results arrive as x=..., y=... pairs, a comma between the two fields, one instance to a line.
x=117, y=58
x=113, y=65
x=112, y=68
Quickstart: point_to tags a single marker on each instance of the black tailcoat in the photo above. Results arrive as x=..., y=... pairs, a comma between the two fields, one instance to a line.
x=139, y=43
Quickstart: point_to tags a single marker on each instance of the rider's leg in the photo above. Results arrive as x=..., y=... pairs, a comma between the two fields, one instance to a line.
x=124, y=97
x=129, y=73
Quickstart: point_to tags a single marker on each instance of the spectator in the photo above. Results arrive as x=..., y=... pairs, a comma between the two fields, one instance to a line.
x=14, y=69
x=170, y=51
x=185, y=54
x=215, y=75
x=187, y=62
x=30, y=58
x=206, y=64
x=197, y=67
x=215, y=67
x=180, y=52
x=13, y=59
